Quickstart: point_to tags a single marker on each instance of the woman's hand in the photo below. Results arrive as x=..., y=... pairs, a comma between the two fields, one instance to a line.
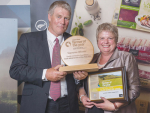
x=86, y=102
x=106, y=105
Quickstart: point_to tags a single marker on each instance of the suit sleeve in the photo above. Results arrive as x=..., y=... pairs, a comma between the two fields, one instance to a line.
x=133, y=77
x=20, y=70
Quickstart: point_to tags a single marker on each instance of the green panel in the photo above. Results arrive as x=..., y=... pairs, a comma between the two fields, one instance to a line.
x=126, y=24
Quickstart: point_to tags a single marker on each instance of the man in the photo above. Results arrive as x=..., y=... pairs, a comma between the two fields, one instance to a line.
x=34, y=64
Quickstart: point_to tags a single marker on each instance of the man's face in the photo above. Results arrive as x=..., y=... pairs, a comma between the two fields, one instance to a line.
x=59, y=21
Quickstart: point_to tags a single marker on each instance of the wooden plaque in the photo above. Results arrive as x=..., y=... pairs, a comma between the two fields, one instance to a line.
x=77, y=52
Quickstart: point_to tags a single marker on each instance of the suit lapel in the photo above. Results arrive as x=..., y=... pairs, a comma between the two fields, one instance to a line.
x=46, y=48
x=46, y=85
x=65, y=35
x=114, y=56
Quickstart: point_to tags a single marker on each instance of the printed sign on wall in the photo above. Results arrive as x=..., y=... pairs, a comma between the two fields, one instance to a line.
x=133, y=14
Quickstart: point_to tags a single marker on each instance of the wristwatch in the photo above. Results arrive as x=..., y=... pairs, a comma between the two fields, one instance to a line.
x=81, y=97
x=116, y=108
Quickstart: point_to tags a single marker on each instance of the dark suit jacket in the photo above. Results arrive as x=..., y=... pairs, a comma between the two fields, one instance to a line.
x=31, y=57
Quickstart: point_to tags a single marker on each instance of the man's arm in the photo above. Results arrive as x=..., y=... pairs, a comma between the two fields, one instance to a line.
x=20, y=70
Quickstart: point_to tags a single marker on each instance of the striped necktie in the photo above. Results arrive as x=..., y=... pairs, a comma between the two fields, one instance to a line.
x=55, y=90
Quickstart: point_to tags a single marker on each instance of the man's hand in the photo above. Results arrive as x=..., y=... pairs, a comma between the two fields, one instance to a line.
x=80, y=75
x=86, y=102
x=52, y=74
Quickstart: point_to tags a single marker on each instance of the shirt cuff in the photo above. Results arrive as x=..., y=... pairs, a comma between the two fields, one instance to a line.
x=76, y=80
x=44, y=75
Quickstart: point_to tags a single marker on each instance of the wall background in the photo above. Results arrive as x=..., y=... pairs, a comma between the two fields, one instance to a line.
x=20, y=9
x=8, y=87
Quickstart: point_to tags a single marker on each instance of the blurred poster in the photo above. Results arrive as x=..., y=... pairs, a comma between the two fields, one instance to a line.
x=39, y=13
x=140, y=48
x=133, y=14
x=8, y=86
x=20, y=12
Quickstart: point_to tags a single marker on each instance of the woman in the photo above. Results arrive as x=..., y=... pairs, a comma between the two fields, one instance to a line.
x=109, y=56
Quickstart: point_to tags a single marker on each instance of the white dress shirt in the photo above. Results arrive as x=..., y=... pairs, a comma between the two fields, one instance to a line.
x=51, y=42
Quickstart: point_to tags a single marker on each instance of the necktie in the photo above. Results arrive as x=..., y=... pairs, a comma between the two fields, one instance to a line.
x=55, y=86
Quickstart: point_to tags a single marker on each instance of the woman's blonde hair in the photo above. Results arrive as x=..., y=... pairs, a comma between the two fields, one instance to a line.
x=107, y=27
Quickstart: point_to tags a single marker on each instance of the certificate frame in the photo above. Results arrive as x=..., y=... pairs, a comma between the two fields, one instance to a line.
x=109, y=83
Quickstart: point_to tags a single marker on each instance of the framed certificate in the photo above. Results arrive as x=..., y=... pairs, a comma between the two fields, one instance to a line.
x=109, y=83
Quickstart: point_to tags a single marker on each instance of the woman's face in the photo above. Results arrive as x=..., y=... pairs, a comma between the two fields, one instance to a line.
x=106, y=42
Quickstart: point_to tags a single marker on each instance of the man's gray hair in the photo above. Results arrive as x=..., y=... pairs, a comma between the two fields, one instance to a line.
x=61, y=4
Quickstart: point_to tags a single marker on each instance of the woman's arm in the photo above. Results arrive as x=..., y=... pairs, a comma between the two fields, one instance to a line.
x=109, y=106
x=84, y=99
x=132, y=77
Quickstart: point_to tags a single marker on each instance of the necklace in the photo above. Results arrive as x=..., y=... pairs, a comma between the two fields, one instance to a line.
x=100, y=64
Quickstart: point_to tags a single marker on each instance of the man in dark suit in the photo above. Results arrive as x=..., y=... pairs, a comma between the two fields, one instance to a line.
x=32, y=64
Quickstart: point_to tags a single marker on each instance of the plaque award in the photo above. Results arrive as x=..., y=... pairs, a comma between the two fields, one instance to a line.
x=109, y=83
x=77, y=52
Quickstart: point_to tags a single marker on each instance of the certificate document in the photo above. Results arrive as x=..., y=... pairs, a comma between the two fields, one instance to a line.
x=109, y=83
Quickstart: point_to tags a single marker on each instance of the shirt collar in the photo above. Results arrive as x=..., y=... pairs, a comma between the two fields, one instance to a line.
x=52, y=37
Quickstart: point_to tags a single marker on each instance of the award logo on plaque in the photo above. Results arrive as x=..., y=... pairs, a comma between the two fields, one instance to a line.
x=77, y=52
x=109, y=83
